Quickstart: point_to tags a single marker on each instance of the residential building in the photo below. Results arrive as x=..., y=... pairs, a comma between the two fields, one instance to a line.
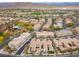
x=19, y=41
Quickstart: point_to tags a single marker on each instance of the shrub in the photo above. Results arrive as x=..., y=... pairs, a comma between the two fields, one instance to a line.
x=70, y=24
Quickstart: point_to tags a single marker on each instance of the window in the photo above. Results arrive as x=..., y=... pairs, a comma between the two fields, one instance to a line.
x=37, y=46
x=63, y=45
x=42, y=46
x=70, y=44
x=48, y=47
x=73, y=44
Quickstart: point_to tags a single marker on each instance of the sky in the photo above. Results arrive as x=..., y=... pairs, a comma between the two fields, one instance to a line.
x=39, y=0
x=51, y=2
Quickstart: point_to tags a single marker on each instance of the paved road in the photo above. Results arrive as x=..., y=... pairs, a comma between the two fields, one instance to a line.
x=22, y=48
x=77, y=55
x=74, y=55
x=2, y=55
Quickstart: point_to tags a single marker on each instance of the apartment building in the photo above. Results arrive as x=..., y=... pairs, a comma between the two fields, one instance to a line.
x=19, y=41
x=44, y=34
x=38, y=46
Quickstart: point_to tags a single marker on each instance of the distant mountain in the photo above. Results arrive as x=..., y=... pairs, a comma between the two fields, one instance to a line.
x=60, y=3
x=73, y=5
x=22, y=5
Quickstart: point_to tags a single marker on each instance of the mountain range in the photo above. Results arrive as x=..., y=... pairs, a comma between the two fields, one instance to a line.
x=60, y=3
x=39, y=4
